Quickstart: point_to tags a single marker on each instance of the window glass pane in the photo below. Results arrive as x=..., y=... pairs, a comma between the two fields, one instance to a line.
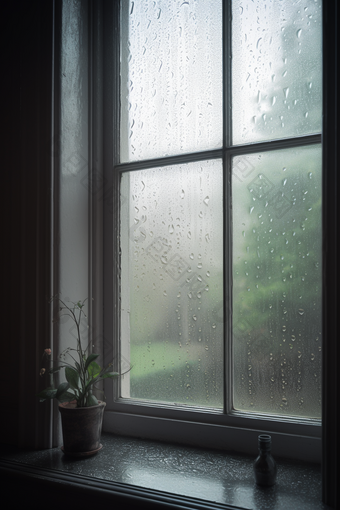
x=172, y=283
x=277, y=282
x=277, y=69
x=171, y=77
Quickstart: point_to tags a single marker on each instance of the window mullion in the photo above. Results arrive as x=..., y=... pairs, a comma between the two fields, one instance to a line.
x=227, y=240
x=227, y=74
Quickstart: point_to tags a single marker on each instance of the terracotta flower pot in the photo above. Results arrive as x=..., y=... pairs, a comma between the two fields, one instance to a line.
x=82, y=427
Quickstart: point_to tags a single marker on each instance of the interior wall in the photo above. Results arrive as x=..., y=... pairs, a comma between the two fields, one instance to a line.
x=26, y=93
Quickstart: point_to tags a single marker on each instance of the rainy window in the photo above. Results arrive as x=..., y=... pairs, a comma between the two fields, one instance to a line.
x=220, y=223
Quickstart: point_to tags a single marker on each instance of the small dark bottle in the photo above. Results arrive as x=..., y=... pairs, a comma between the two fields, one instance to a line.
x=265, y=466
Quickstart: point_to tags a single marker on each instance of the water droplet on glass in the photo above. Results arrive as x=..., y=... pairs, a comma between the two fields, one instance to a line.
x=182, y=193
x=306, y=115
x=298, y=33
x=171, y=229
x=207, y=238
x=206, y=201
x=194, y=317
x=164, y=293
x=284, y=328
x=273, y=100
x=301, y=311
x=251, y=210
x=286, y=92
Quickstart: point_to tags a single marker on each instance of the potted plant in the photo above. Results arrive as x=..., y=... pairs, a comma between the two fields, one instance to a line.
x=81, y=412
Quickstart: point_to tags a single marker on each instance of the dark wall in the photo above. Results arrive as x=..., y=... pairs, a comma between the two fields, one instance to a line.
x=26, y=92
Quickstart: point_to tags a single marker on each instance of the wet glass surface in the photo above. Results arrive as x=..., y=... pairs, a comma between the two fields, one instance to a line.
x=205, y=474
x=277, y=282
x=171, y=78
x=172, y=284
x=277, y=69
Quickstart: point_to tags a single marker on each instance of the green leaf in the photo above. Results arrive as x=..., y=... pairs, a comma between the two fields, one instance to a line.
x=93, y=369
x=67, y=397
x=88, y=385
x=62, y=388
x=91, y=358
x=72, y=377
x=91, y=401
x=49, y=393
x=111, y=375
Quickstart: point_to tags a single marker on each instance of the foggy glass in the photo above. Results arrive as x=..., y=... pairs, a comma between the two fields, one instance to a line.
x=172, y=324
x=276, y=69
x=172, y=283
x=171, y=77
x=277, y=282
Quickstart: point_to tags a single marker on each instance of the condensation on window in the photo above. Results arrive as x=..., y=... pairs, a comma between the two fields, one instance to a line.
x=172, y=284
x=277, y=265
x=276, y=69
x=171, y=78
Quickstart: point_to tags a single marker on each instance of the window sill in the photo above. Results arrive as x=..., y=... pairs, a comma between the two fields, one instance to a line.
x=157, y=475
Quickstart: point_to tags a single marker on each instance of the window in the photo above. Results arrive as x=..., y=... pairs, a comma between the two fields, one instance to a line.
x=220, y=220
